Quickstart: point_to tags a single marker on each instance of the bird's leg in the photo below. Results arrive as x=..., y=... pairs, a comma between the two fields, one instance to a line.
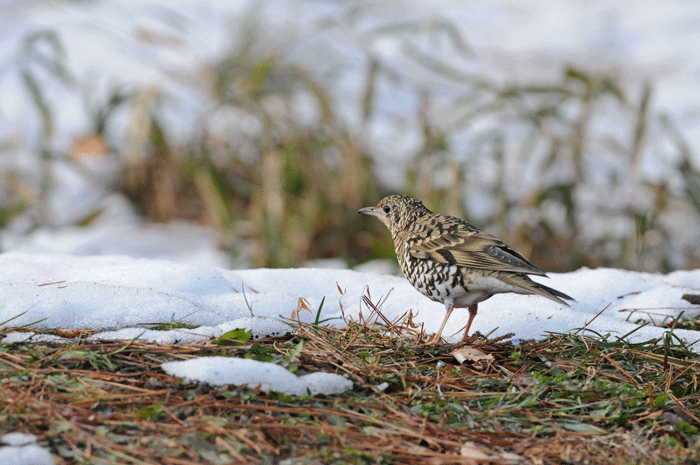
x=472, y=314
x=437, y=338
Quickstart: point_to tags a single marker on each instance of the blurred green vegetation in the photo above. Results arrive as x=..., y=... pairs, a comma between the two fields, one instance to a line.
x=283, y=187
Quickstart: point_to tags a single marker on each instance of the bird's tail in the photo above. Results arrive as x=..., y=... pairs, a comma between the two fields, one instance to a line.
x=530, y=286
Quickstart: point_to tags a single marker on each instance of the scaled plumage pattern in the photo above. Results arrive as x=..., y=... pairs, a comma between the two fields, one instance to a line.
x=450, y=261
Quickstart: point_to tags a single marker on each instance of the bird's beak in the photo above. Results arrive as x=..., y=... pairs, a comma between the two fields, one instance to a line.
x=368, y=211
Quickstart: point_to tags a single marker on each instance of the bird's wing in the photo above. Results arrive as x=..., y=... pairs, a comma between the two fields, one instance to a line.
x=455, y=242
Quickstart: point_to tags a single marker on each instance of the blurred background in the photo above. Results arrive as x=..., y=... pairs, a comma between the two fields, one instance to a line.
x=247, y=134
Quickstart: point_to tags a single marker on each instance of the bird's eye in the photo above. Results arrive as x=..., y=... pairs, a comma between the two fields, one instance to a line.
x=386, y=208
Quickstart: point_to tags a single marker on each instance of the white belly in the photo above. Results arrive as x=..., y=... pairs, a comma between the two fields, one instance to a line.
x=479, y=288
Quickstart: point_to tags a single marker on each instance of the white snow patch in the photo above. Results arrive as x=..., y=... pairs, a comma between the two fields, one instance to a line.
x=18, y=439
x=22, y=450
x=32, y=336
x=259, y=327
x=221, y=371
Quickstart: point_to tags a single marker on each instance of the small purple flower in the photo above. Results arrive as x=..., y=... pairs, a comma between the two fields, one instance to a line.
x=516, y=342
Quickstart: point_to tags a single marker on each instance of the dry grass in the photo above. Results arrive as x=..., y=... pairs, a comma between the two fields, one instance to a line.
x=569, y=399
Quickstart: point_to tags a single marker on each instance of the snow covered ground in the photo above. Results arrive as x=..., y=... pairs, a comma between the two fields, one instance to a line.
x=122, y=295
x=123, y=43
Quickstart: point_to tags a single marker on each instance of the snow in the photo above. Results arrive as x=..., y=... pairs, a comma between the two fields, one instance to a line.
x=124, y=296
x=258, y=326
x=117, y=229
x=18, y=439
x=22, y=450
x=267, y=376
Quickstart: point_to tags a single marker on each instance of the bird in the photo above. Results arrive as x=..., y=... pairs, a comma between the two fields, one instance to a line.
x=450, y=261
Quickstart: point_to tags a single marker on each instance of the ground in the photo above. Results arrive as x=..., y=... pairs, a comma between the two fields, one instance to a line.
x=567, y=399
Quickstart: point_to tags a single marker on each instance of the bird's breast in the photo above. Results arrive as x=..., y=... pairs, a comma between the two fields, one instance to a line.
x=435, y=280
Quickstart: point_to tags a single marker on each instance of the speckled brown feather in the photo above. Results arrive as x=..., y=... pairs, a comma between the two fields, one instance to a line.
x=466, y=246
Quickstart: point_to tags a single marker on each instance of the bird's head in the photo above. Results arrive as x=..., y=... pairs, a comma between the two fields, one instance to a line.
x=396, y=211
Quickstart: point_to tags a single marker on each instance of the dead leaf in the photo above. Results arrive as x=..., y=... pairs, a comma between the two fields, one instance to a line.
x=469, y=449
x=473, y=355
x=477, y=453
